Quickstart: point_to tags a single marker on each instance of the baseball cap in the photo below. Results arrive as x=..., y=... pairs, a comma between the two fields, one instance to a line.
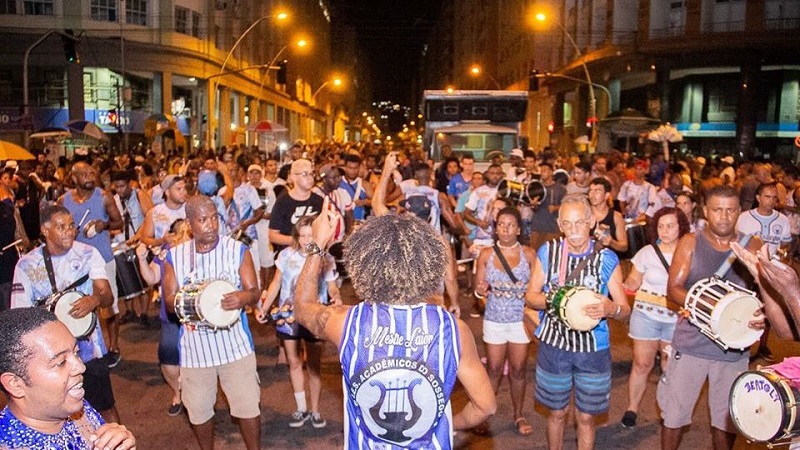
x=727, y=159
x=700, y=160
x=517, y=152
x=169, y=181
x=255, y=167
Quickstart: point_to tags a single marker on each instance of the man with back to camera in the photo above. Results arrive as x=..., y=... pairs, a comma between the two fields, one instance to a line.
x=399, y=342
x=41, y=375
x=70, y=262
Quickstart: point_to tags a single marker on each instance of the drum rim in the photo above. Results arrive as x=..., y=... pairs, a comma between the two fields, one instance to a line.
x=92, y=315
x=786, y=420
x=562, y=306
x=195, y=290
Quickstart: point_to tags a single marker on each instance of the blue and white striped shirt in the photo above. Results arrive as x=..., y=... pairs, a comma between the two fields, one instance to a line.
x=203, y=347
x=399, y=367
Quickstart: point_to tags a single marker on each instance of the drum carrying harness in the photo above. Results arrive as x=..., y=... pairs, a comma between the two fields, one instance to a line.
x=48, y=265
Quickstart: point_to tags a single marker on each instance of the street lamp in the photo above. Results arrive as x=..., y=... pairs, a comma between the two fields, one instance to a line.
x=336, y=82
x=475, y=70
x=541, y=17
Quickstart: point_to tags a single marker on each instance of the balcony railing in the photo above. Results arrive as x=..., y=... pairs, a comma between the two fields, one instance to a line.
x=723, y=27
x=783, y=24
x=665, y=33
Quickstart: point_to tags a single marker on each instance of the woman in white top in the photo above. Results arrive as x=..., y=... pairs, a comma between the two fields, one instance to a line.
x=652, y=323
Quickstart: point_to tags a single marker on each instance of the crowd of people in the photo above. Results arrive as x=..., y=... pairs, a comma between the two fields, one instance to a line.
x=548, y=248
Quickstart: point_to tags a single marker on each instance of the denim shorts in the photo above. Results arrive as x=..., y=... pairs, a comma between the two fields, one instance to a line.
x=558, y=371
x=645, y=328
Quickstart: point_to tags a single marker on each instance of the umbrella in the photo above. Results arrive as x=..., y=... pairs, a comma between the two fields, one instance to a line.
x=51, y=133
x=628, y=122
x=665, y=134
x=265, y=126
x=87, y=128
x=10, y=150
x=158, y=117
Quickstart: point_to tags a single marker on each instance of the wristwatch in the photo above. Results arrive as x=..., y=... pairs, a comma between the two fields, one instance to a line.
x=313, y=249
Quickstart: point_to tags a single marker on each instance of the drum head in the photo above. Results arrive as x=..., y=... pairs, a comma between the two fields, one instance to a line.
x=535, y=191
x=756, y=407
x=730, y=318
x=210, y=305
x=574, y=316
x=79, y=328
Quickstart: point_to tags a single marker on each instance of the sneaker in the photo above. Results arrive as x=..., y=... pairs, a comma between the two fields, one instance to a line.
x=175, y=409
x=299, y=418
x=317, y=421
x=113, y=358
x=629, y=419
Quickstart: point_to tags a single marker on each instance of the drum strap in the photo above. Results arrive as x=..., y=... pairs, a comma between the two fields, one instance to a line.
x=48, y=265
x=661, y=257
x=505, y=264
x=576, y=272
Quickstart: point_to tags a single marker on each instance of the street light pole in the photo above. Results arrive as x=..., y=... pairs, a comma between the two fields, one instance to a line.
x=335, y=81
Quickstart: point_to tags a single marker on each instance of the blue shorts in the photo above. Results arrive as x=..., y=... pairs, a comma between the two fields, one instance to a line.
x=557, y=371
x=645, y=328
x=169, y=344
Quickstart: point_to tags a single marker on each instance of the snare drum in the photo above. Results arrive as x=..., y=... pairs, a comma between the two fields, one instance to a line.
x=60, y=304
x=722, y=310
x=763, y=406
x=568, y=303
x=129, y=278
x=518, y=192
x=201, y=305
x=637, y=239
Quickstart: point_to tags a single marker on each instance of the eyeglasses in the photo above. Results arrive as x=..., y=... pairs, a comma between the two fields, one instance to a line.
x=303, y=174
x=567, y=225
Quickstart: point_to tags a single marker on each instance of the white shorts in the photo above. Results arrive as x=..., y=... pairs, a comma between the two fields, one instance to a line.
x=497, y=333
x=254, y=254
x=266, y=254
x=111, y=271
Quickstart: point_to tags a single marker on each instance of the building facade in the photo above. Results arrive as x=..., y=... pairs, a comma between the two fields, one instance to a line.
x=141, y=59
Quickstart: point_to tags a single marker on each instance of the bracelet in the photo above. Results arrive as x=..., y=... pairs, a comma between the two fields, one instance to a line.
x=619, y=310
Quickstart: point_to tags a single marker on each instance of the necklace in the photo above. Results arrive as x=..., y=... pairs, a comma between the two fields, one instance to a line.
x=507, y=247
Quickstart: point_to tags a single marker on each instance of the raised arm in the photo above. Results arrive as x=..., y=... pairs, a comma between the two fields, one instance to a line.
x=379, y=196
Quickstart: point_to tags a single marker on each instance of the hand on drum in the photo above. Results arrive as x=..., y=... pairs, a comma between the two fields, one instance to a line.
x=93, y=227
x=776, y=274
x=235, y=300
x=598, y=310
x=141, y=251
x=113, y=436
x=84, y=306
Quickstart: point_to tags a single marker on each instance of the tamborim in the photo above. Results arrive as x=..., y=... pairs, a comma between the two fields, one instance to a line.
x=722, y=311
x=241, y=236
x=763, y=406
x=568, y=303
x=60, y=304
x=201, y=305
x=525, y=193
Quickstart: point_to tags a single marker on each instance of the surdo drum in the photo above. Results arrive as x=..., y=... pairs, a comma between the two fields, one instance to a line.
x=568, y=303
x=60, y=304
x=763, y=406
x=129, y=278
x=525, y=193
x=722, y=311
x=200, y=305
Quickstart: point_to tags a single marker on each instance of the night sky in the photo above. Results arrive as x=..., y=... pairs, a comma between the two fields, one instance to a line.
x=392, y=34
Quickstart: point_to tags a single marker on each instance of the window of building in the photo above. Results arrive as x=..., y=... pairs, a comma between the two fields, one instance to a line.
x=38, y=7
x=181, y=20
x=105, y=10
x=8, y=6
x=195, y=24
x=136, y=12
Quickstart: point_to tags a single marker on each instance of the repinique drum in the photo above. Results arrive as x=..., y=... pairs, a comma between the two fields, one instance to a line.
x=201, y=305
x=525, y=193
x=241, y=236
x=763, y=406
x=60, y=304
x=129, y=279
x=637, y=238
x=722, y=311
x=568, y=303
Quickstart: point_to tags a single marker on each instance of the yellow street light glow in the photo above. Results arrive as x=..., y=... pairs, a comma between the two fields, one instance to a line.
x=450, y=89
x=475, y=69
x=337, y=81
x=541, y=17
x=282, y=16
x=302, y=43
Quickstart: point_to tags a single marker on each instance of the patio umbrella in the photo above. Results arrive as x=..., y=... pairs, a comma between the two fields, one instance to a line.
x=10, y=150
x=665, y=134
x=51, y=133
x=627, y=123
x=87, y=128
x=265, y=126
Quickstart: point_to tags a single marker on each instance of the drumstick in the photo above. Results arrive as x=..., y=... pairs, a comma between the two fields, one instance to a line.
x=10, y=245
x=84, y=217
x=726, y=265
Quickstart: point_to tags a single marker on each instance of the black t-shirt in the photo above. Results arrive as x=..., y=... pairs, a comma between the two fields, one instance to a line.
x=288, y=211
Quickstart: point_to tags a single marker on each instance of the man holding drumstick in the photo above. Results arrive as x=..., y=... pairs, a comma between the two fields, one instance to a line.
x=208, y=354
x=696, y=357
x=570, y=359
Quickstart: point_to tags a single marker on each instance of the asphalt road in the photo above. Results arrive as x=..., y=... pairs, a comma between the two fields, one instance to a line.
x=143, y=399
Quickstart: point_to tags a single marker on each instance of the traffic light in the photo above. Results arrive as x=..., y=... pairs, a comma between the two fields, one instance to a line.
x=113, y=118
x=281, y=77
x=70, y=43
x=533, y=80
x=551, y=126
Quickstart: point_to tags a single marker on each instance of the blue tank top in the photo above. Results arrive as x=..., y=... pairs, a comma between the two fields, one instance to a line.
x=399, y=365
x=94, y=204
x=506, y=302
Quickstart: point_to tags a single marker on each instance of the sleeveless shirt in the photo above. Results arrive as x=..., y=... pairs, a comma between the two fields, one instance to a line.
x=506, y=300
x=399, y=365
x=96, y=211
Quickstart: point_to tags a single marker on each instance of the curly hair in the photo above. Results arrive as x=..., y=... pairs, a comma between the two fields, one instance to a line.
x=395, y=259
x=683, y=223
x=15, y=324
x=513, y=212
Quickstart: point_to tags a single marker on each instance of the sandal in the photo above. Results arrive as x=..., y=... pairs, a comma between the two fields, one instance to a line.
x=523, y=427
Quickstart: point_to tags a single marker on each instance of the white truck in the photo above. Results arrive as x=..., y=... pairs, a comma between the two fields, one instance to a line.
x=480, y=123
